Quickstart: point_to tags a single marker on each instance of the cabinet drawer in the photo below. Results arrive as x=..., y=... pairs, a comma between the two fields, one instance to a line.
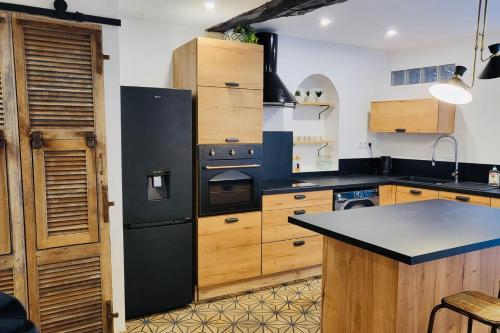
x=297, y=200
x=275, y=226
x=410, y=194
x=229, y=115
x=495, y=202
x=228, y=264
x=291, y=254
x=471, y=199
x=224, y=63
x=228, y=231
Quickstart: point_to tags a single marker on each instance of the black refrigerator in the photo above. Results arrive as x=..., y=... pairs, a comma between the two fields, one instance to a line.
x=157, y=162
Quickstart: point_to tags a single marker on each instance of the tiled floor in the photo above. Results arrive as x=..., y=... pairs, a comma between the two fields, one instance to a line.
x=288, y=308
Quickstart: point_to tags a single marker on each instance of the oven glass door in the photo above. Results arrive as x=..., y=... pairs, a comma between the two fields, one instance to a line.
x=228, y=190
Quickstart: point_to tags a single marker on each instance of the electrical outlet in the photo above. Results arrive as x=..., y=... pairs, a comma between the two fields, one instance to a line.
x=363, y=145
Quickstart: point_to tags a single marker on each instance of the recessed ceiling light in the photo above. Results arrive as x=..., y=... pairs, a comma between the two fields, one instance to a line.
x=210, y=5
x=325, y=22
x=391, y=33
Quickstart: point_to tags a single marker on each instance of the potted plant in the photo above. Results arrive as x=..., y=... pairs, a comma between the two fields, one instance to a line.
x=318, y=93
x=297, y=93
x=244, y=34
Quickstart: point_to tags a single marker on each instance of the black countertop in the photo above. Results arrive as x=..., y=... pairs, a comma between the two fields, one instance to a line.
x=349, y=182
x=411, y=233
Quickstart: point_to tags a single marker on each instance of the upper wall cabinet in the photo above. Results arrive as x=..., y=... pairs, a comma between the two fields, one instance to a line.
x=412, y=116
x=226, y=79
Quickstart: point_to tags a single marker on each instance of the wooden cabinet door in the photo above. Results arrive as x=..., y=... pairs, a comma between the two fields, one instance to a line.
x=406, y=194
x=223, y=63
x=229, y=115
x=387, y=195
x=65, y=183
x=12, y=251
x=59, y=67
x=412, y=116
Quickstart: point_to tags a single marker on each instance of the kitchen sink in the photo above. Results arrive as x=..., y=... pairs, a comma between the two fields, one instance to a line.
x=425, y=180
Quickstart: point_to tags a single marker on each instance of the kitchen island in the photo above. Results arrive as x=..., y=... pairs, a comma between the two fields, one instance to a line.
x=384, y=268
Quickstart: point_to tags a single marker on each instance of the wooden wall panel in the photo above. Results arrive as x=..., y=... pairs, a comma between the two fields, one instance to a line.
x=5, y=234
x=59, y=68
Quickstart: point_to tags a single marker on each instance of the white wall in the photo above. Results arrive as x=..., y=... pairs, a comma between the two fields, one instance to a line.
x=146, y=51
x=477, y=123
x=355, y=72
x=113, y=132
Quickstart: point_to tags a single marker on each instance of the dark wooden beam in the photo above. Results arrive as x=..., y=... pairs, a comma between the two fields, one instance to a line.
x=273, y=9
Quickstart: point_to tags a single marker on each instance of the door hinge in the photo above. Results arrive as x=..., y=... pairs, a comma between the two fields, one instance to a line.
x=90, y=139
x=2, y=140
x=106, y=203
x=36, y=140
x=110, y=316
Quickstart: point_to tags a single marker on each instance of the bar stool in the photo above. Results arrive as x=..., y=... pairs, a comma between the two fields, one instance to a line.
x=474, y=305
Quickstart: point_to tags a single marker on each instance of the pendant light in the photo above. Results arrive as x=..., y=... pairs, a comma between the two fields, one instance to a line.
x=455, y=90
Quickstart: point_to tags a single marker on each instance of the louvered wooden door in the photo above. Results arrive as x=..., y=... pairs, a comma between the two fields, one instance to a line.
x=61, y=115
x=12, y=252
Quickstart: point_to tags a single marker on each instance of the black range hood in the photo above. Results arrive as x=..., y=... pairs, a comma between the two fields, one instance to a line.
x=275, y=92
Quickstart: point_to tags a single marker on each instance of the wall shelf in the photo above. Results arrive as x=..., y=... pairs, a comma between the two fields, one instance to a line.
x=325, y=106
x=318, y=142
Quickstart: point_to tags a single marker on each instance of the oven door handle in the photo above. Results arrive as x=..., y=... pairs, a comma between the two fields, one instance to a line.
x=224, y=167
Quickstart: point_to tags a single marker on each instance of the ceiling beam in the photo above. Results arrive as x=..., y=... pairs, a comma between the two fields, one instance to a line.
x=271, y=10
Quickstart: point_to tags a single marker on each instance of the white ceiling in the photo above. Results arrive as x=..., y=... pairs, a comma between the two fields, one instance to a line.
x=355, y=22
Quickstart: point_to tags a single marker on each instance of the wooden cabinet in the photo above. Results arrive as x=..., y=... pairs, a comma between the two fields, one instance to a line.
x=226, y=79
x=387, y=195
x=467, y=198
x=60, y=92
x=495, y=202
x=228, y=248
x=297, y=200
x=275, y=226
x=291, y=254
x=12, y=252
x=285, y=246
x=229, y=115
x=412, y=116
x=406, y=194
x=223, y=63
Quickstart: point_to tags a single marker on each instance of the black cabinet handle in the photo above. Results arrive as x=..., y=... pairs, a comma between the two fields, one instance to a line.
x=299, y=197
x=232, y=220
x=232, y=84
x=415, y=192
x=299, y=243
x=400, y=130
x=299, y=212
x=462, y=198
x=232, y=140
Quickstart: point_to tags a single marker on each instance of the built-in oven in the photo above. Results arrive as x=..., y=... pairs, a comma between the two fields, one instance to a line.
x=230, y=178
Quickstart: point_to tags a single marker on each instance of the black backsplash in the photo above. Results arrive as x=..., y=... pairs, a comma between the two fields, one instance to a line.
x=470, y=172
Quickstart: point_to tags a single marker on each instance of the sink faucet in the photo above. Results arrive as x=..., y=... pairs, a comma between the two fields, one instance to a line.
x=455, y=143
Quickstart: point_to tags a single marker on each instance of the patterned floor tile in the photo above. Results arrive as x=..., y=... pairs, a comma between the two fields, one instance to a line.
x=287, y=308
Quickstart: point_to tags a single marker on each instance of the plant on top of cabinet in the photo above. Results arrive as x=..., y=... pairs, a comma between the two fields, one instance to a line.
x=412, y=116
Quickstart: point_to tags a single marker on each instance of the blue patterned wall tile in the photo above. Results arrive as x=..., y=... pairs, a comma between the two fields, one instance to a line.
x=429, y=74
x=413, y=76
x=398, y=78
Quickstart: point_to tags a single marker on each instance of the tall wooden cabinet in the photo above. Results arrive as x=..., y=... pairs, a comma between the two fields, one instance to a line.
x=12, y=250
x=227, y=82
x=60, y=105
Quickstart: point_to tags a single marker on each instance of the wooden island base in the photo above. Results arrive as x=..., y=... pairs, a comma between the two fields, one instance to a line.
x=367, y=292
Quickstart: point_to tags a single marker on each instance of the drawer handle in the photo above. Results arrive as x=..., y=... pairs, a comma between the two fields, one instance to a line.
x=232, y=220
x=299, y=243
x=299, y=212
x=232, y=140
x=400, y=130
x=415, y=192
x=462, y=198
x=299, y=197
x=232, y=84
